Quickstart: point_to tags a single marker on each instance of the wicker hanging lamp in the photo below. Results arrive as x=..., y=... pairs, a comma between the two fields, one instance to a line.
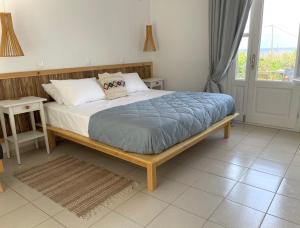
x=9, y=46
x=149, y=44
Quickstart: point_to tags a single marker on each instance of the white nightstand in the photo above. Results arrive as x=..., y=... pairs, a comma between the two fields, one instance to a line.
x=15, y=107
x=153, y=83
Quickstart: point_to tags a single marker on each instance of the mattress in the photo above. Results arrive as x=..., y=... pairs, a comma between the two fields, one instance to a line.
x=76, y=118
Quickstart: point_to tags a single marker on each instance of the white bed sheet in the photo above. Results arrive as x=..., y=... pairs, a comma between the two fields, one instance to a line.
x=76, y=118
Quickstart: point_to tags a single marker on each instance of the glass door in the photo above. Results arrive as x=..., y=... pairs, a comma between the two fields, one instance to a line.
x=239, y=72
x=267, y=63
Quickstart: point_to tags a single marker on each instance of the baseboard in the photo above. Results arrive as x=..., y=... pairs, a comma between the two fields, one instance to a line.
x=267, y=126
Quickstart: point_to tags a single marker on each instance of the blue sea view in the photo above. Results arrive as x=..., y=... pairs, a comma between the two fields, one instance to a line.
x=275, y=50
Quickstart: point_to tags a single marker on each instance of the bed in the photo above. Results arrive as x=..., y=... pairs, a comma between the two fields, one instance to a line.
x=73, y=123
x=130, y=129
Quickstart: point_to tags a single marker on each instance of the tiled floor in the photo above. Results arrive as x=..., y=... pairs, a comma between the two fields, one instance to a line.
x=250, y=180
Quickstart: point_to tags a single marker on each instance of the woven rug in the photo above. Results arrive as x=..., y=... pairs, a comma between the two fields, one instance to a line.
x=76, y=185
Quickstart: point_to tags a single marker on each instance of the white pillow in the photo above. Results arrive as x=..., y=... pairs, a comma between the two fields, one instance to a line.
x=80, y=91
x=53, y=92
x=134, y=83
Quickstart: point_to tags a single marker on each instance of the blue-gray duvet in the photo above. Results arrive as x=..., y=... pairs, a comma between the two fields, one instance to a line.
x=152, y=126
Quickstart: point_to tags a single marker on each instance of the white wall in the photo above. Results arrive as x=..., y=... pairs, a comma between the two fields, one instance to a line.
x=69, y=33
x=182, y=35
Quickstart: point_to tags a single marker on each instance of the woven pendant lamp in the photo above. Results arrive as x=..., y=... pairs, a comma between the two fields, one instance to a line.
x=149, y=44
x=9, y=46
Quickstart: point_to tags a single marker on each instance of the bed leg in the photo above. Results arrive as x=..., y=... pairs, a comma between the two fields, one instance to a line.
x=151, y=177
x=227, y=129
x=2, y=189
x=52, y=140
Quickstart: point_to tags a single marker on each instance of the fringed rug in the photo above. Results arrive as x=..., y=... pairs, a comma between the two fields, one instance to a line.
x=76, y=185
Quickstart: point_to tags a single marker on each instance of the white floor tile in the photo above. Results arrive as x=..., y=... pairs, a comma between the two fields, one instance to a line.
x=176, y=218
x=293, y=172
x=251, y=197
x=214, y=184
x=279, y=145
x=141, y=208
x=248, y=150
x=290, y=135
x=271, y=221
x=49, y=224
x=226, y=144
x=225, y=169
x=11, y=181
x=243, y=128
x=270, y=167
x=209, y=224
x=23, y=217
x=278, y=157
x=199, y=162
x=233, y=215
x=285, y=208
x=256, y=140
x=114, y=220
x=296, y=161
x=241, y=160
x=290, y=188
x=27, y=192
x=198, y=202
x=48, y=206
x=167, y=190
x=264, y=131
x=231, y=157
x=217, y=154
x=261, y=180
x=184, y=174
x=10, y=200
x=167, y=167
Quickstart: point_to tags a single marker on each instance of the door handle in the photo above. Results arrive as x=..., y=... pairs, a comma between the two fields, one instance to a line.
x=253, y=61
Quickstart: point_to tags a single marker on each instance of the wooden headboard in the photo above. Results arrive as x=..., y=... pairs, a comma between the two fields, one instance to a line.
x=21, y=84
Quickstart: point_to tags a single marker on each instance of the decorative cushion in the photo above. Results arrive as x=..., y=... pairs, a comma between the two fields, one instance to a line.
x=114, y=85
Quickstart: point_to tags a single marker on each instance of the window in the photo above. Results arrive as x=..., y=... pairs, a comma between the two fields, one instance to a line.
x=241, y=61
x=279, y=40
x=242, y=55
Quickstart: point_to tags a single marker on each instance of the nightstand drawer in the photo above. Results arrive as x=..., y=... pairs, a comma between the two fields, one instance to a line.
x=26, y=108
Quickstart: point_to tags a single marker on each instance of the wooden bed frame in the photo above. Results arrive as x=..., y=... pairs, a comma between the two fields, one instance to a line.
x=22, y=84
x=150, y=162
